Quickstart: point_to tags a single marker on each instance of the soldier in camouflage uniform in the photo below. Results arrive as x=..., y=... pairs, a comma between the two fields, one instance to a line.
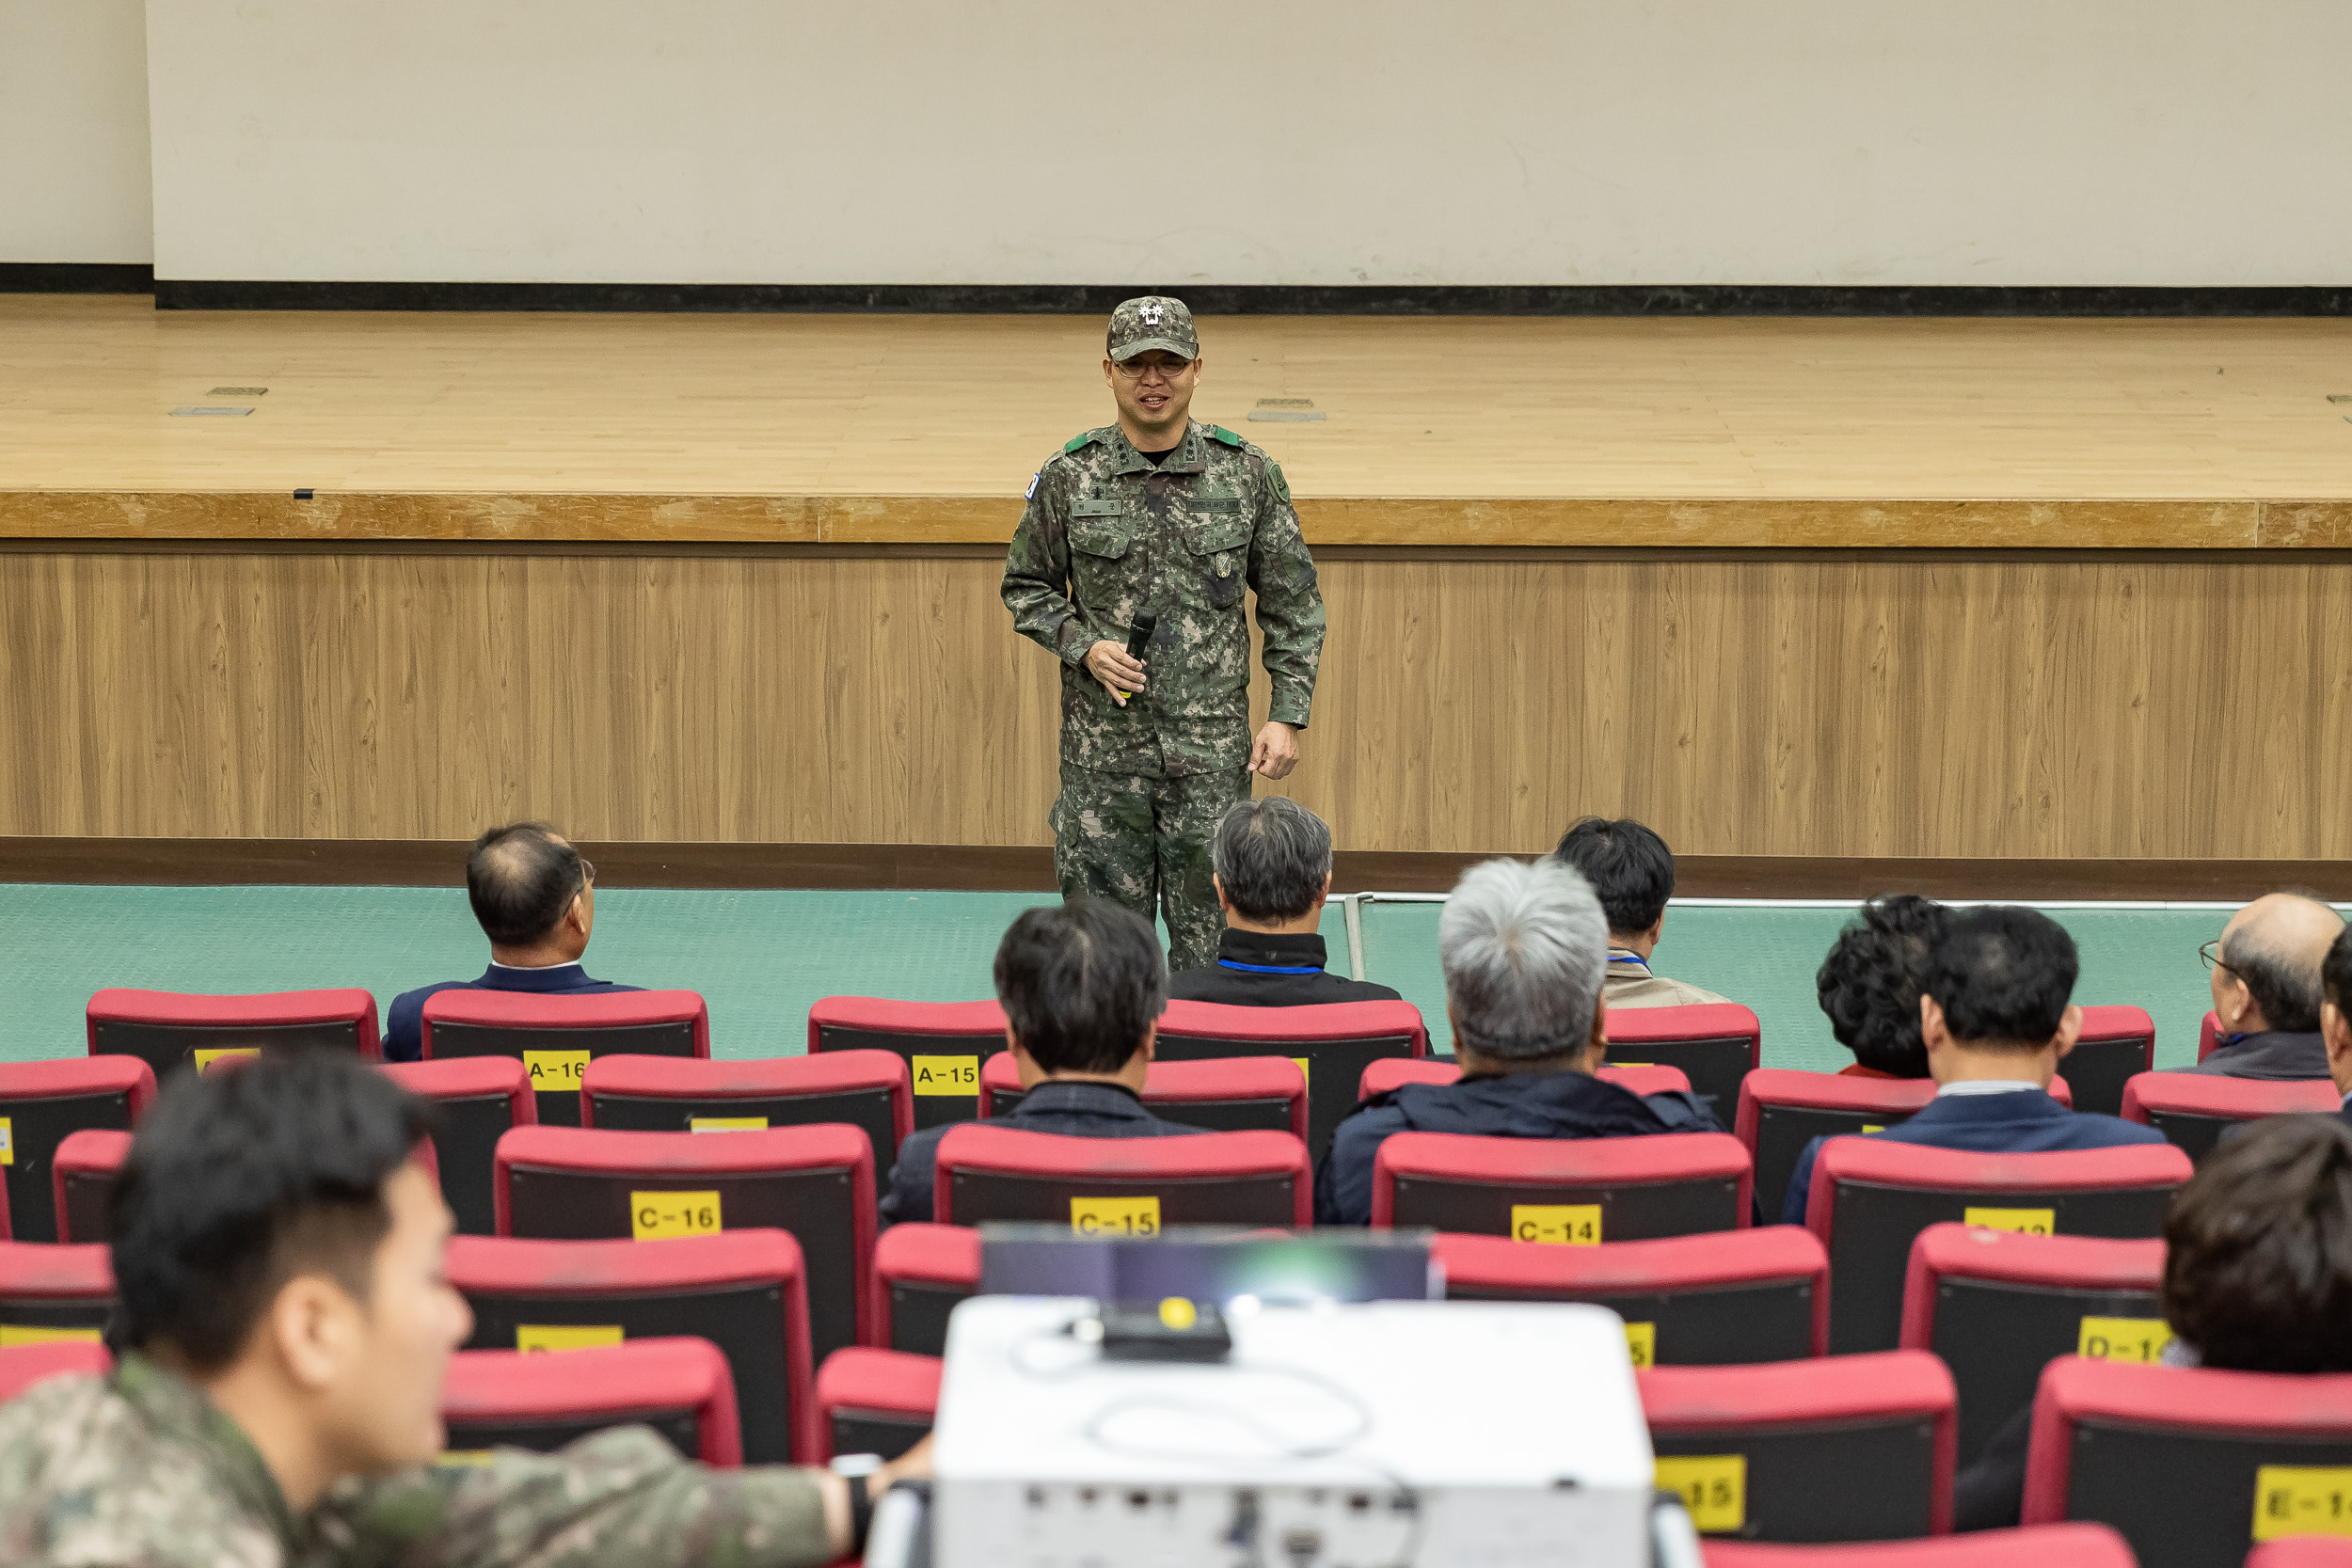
x=1156, y=513
x=263, y=1414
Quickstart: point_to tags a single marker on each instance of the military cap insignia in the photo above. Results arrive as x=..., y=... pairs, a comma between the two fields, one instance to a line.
x=1152, y=315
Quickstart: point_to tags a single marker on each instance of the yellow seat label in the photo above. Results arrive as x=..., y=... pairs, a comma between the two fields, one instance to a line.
x=1304, y=1071
x=8, y=1141
x=1556, y=1224
x=555, y=1337
x=2123, y=1339
x=204, y=1059
x=947, y=1075
x=1641, y=1339
x=1115, y=1217
x=1714, y=1487
x=556, y=1072
x=726, y=1124
x=2302, y=1499
x=2031, y=1222
x=12, y=1335
x=1874, y=1127
x=663, y=1216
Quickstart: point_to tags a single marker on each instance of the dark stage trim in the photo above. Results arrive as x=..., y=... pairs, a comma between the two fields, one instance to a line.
x=434, y=862
x=180, y=293
x=76, y=277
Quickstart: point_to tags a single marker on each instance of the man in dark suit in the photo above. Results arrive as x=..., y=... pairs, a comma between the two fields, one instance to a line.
x=1995, y=1014
x=2335, y=1016
x=2265, y=971
x=536, y=899
x=1082, y=984
x=1273, y=871
x=1524, y=949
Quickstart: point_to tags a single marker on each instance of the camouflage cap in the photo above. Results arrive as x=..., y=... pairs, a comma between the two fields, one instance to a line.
x=1153, y=322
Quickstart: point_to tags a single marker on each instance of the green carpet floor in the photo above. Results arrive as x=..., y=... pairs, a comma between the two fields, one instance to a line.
x=762, y=957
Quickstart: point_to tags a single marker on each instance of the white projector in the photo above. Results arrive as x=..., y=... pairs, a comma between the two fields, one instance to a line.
x=1489, y=1434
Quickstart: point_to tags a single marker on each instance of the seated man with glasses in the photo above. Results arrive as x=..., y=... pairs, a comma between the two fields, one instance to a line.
x=2264, y=974
x=536, y=899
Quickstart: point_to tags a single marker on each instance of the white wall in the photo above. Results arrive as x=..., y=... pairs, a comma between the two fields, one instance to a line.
x=1254, y=141
x=73, y=183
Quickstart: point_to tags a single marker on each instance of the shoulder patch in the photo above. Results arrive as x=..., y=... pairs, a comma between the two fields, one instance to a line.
x=1281, y=484
x=1077, y=441
x=1218, y=432
x=1030, y=494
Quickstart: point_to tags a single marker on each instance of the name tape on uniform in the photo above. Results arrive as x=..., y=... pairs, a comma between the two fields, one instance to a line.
x=1640, y=1342
x=1115, y=1217
x=726, y=1124
x=1556, y=1224
x=663, y=1216
x=560, y=1337
x=2123, y=1339
x=2302, y=1499
x=556, y=1072
x=2030, y=1221
x=204, y=1059
x=1713, y=1486
x=13, y=1335
x=947, y=1075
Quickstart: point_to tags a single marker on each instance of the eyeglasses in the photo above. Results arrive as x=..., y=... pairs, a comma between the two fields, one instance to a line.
x=587, y=873
x=1135, y=370
x=2211, y=953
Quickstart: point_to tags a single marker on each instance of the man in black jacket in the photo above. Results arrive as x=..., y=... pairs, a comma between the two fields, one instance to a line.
x=2265, y=988
x=1082, y=985
x=2335, y=1017
x=1523, y=948
x=1273, y=871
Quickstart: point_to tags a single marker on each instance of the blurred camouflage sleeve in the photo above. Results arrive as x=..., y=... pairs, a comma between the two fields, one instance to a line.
x=1037, y=573
x=621, y=1499
x=1290, y=600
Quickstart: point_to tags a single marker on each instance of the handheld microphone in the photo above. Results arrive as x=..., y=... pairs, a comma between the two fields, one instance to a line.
x=1140, y=634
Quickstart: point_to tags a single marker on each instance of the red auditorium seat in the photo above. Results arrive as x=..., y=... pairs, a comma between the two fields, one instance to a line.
x=1781, y=1110
x=54, y=1291
x=816, y=1182
x=22, y=1366
x=1577, y=1191
x=920, y=1272
x=866, y=1089
x=1122, y=1186
x=507, y=1398
x=1230, y=1094
x=2042, y=1547
x=1854, y=1447
x=1332, y=1042
x=877, y=1401
x=82, y=1183
x=1397, y=1072
x=943, y=1044
x=556, y=1036
x=743, y=1292
x=2192, y=1465
x=2115, y=1043
x=1724, y=1296
x=479, y=1098
x=165, y=1028
x=2302, y=1551
x=2193, y=1109
x=1998, y=1305
x=41, y=1103
x=1714, y=1043
x=1872, y=1198
x=2208, y=1034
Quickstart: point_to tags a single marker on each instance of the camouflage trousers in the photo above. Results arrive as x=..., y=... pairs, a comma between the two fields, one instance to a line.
x=1145, y=842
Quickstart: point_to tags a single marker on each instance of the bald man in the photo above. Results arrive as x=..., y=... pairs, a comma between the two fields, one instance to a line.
x=2266, y=989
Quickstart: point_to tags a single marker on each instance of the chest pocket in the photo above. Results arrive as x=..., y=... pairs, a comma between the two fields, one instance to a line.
x=1101, y=554
x=1218, y=540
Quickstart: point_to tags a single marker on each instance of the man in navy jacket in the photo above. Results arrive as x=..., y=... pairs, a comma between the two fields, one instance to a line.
x=2335, y=1016
x=536, y=899
x=1994, y=1011
x=1524, y=949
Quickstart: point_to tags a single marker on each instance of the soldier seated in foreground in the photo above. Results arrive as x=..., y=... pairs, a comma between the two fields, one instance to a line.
x=282, y=1331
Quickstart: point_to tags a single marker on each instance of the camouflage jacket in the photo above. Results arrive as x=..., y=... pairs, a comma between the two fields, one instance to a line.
x=1107, y=535
x=140, y=1470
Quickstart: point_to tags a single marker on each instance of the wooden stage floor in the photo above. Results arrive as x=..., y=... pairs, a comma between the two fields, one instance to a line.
x=925, y=429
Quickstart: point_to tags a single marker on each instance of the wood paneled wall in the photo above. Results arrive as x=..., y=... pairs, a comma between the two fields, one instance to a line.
x=1884, y=706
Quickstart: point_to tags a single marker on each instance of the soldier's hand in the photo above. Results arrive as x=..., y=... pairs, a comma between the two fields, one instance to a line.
x=1276, y=751
x=1108, y=662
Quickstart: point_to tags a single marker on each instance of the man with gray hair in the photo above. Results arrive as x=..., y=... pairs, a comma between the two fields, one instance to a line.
x=1524, y=949
x=2265, y=973
x=1273, y=871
